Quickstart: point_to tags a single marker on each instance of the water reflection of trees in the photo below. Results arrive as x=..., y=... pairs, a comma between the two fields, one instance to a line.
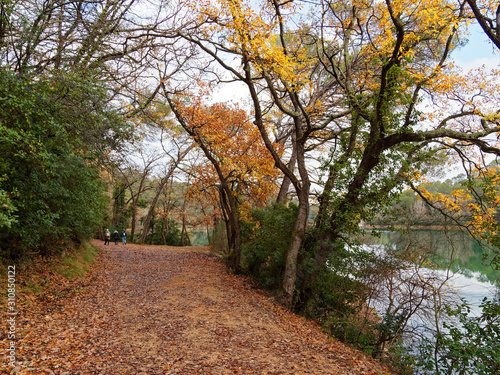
x=469, y=255
x=411, y=288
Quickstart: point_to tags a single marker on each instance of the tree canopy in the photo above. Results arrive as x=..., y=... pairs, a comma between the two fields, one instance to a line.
x=367, y=88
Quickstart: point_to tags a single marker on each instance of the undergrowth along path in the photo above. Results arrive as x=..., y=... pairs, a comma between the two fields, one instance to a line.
x=164, y=310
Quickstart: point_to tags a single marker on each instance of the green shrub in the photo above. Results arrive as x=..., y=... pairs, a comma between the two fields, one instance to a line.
x=52, y=131
x=219, y=240
x=171, y=236
x=265, y=243
x=469, y=345
x=335, y=296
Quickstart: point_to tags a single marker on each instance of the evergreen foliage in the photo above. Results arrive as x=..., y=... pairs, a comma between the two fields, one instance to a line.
x=164, y=232
x=52, y=132
x=335, y=294
x=265, y=242
x=466, y=345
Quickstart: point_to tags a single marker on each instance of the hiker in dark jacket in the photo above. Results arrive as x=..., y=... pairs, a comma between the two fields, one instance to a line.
x=124, y=237
x=115, y=236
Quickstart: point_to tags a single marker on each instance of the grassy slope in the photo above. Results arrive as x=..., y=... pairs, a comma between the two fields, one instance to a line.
x=45, y=279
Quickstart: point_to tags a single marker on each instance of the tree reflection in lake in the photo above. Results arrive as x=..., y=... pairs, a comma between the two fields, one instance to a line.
x=455, y=249
x=430, y=273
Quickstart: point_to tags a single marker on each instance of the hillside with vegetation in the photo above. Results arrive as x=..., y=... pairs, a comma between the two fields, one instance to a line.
x=277, y=132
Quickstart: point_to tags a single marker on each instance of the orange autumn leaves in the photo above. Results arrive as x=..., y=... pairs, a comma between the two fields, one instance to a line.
x=236, y=146
x=349, y=55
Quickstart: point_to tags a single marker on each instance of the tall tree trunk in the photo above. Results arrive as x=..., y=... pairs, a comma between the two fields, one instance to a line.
x=185, y=241
x=286, y=293
x=208, y=234
x=331, y=226
x=164, y=231
x=180, y=156
x=184, y=235
x=4, y=22
x=285, y=185
x=135, y=202
x=287, y=290
x=136, y=196
x=230, y=208
x=133, y=220
x=152, y=207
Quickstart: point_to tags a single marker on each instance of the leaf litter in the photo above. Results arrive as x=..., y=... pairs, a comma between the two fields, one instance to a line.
x=165, y=310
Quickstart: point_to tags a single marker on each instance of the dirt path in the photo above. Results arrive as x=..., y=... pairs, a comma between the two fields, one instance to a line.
x=159, y=310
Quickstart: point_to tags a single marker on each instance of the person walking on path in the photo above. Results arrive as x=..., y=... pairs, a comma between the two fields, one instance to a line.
x=107, y=237
x=115, y=236
x=124, y=237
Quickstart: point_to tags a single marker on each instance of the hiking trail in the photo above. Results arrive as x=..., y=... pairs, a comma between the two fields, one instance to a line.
x=165, y=310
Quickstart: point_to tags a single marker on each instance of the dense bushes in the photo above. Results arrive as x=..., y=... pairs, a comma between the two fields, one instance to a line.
x=335, y=295
x=164, y=232
x=319, y=291
x=329, y=296
x=52, y=130
x=332, y=294
x=265, y=243
x=465, y=345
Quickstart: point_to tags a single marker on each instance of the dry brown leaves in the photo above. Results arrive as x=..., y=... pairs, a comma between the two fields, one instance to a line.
x=159, y=310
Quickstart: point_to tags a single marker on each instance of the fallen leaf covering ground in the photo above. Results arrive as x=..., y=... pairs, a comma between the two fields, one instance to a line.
x=164, y=310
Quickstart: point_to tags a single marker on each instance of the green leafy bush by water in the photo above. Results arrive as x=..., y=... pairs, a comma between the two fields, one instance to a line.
x=265, y=243
x=164, y=232
x=468, y=345
x=334, y=296
x=331, y=294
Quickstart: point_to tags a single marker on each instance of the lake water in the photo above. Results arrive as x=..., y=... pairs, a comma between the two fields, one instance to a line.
x=473, y=278
x=456, y=257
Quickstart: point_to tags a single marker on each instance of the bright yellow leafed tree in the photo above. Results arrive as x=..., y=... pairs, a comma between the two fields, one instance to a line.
x=365, y=87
